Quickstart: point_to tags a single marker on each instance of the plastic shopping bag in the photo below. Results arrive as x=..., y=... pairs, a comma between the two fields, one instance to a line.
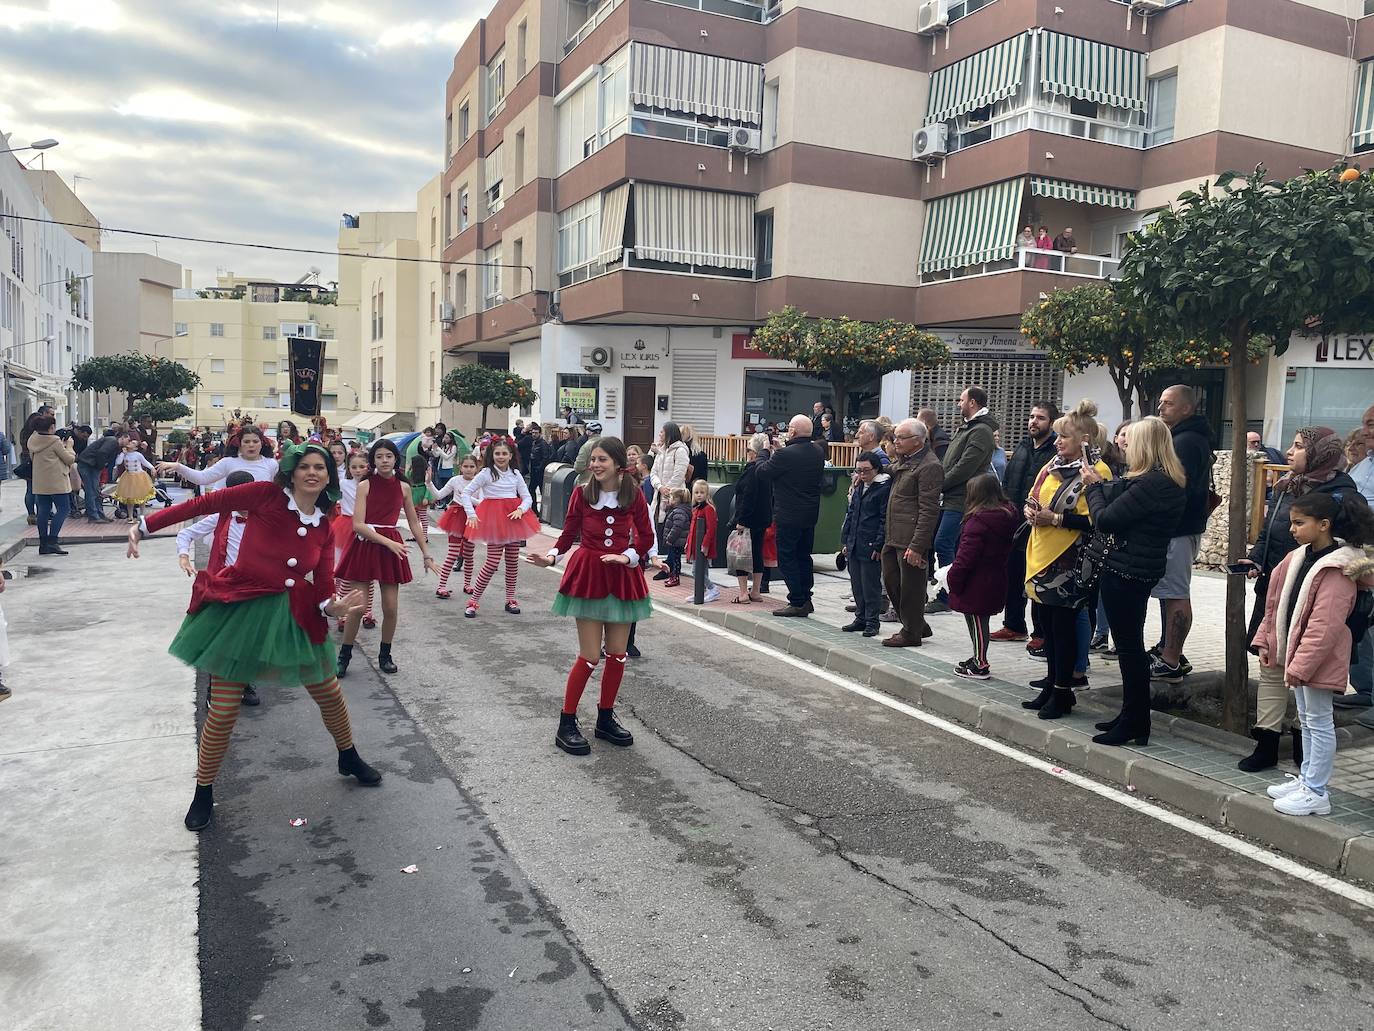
x=739, y=552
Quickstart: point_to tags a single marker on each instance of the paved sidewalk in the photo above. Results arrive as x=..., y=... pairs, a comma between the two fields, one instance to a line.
x=1187, y=765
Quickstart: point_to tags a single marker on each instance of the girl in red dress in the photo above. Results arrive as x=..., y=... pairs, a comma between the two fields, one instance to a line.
x=351, y=473
x=377, y=550
x=453, y=522
x=262, y=617
x=497, y=504
x=604, y=587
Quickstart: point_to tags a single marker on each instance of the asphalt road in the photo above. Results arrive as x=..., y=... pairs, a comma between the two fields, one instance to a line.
x=773, y=853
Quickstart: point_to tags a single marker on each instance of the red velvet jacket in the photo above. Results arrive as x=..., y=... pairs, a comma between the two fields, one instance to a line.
x=280, y=551
x=702, y=514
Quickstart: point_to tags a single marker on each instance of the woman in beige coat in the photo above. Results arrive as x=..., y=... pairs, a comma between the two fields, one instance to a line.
x=52, y=464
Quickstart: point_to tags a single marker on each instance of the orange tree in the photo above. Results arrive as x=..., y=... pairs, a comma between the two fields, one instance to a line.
x=845, y=351
x=151, y=385
x=477, y=384
x=1250, y=257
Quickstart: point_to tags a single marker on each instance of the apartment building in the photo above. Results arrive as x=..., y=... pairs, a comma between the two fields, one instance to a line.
x=133, y=312
x=234, y=334
x=631, y=185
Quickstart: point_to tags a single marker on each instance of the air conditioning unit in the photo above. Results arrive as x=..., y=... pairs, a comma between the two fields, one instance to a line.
x=932, y=17
x=1148, y=6
x=931, y=143
x=448, y=314
x=596, y=358
x=747, y=141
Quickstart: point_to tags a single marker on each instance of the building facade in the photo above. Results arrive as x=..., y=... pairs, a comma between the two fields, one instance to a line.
x=46, y=302
x=133, y=312
x=636, y=178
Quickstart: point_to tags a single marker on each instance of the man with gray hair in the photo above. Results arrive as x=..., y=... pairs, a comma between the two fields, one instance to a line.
x=913, y=513
x=1193, y=443
x=869, y=437
x=794, y=473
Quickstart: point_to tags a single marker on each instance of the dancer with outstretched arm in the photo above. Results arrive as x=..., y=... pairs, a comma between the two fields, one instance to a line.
x=263, y=618
x=603, y=588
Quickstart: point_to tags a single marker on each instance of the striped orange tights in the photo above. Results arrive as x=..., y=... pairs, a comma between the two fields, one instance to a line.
x=225, y=698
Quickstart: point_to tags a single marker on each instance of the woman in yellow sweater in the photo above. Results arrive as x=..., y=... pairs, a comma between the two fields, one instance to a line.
x=1057, y=512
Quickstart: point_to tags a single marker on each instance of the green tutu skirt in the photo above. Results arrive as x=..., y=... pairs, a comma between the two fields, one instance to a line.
x=607, y=610
x=252, y=642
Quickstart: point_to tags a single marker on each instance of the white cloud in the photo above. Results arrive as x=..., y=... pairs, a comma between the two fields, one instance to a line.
x=97, y=15
x=180, y=106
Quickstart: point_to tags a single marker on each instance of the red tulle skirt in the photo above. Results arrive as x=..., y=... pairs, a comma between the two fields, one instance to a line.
x=341, y=529
x=494, y=525
x=364, y=560
x=770, y=546
x=454, y=521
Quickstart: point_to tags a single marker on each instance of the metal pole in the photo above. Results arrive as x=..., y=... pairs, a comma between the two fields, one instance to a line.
x=700, y=568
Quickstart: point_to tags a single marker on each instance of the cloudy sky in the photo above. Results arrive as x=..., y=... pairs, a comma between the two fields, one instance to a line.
x=247, y=121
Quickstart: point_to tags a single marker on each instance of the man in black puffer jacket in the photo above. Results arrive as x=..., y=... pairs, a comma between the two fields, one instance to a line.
x=1031, y=455
x=794, y=473
x=1193, y=444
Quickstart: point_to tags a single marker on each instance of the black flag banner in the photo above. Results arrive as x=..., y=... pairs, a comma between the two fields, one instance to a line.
x=307, y=364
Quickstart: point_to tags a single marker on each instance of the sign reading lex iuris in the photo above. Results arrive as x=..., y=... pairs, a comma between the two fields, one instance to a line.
x=307, y=364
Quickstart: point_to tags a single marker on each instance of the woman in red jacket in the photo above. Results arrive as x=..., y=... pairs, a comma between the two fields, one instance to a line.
x=263, y=618
x=604, y=587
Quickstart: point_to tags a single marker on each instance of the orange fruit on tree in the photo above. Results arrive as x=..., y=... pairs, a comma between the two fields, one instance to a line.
x=1350, y=175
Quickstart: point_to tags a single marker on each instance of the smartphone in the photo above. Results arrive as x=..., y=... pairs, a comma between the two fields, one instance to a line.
x=1240, y=569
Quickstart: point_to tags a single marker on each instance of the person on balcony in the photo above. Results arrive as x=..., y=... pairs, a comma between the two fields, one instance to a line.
x=1025, y=242
x=1043, y=243
x=1066, y=242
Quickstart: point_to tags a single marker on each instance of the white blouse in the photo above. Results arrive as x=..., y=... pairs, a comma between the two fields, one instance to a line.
x=205, y=528
x=261, y=469
x=509, y=484
x=449, y=489
x=133, y=461
x=348, y=493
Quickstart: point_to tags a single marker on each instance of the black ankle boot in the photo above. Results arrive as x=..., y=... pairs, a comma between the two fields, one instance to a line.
x=351, y=765
x=1059, y=705
x=54, y=548
x=1297, y=747
x=1110, y=724
x=608, y=728
x=1040, y=700
x=44, y=548
x=345, y=657
x=384, y=661
x=250, y=697
x=1044, y=683
x=202, y=808
x=1122, y=734
x=1266, y=753
x=569, y=737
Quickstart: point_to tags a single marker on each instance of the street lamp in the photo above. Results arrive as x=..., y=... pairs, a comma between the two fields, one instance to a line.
x=357, y=398
x=35, y=145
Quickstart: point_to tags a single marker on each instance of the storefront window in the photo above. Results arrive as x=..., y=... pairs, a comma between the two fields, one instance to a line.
x=775, y=395
x=1325, y=397
x=581, y=392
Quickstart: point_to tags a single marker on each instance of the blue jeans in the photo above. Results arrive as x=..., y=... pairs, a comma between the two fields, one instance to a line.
x=90, y=486
x=29, y=496
x=947, y=542
x=1362, y=669
x=52, y=513
x=1318, y=736
x=1083, y=629
x=1104, y=626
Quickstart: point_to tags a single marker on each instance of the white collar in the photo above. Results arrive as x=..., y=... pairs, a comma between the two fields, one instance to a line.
x=608, y=499
x=306, y=520
x=981, y=411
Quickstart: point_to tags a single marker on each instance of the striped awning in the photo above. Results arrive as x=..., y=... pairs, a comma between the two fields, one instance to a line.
x=972, y=227
x=1074, y=67
x=694, y=227
x=1081, y=193
x=1363, y=132
x=677, y=80
x=614, y=204
x=988, y=76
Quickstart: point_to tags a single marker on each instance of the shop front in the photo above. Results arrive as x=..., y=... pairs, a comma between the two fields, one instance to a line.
x=1319, y=381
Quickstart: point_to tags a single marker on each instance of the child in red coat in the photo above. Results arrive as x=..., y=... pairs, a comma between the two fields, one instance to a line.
x=704, y=524
x=978, y=577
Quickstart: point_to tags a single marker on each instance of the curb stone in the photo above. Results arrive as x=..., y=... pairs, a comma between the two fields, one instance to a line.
x=1313, y=839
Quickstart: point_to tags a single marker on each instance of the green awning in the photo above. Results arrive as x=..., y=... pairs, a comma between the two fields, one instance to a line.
x=1074, y=67
x=988, y=76
x=1363, y=132
x=972, y=227
x=1082, y=193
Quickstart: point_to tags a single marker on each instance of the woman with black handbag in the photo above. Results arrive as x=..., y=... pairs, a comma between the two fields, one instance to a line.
x=1057, y=513
x=1139, y=511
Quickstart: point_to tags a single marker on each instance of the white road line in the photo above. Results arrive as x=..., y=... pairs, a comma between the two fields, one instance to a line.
x=1335, y=885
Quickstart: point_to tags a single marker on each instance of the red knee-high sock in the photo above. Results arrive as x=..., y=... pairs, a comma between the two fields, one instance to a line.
x=468, y=549
x=577, y=682
x=611, y=677
x=455, y=548
x=488, y=570
x=512, y=569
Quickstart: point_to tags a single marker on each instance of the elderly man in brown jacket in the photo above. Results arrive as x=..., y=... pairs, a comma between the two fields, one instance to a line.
x=913, y=513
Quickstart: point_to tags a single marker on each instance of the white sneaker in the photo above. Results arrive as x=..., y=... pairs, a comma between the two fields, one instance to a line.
x=712, y=594
x=1303, y=802
x=1286, y=788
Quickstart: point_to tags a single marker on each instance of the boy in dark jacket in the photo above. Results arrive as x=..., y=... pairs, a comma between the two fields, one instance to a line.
x=676, y=524
x=863, y=534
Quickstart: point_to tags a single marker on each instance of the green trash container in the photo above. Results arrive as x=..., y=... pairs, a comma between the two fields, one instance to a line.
x=834, y=500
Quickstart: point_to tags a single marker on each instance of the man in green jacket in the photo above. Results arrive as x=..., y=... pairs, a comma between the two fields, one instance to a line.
x=969, y=455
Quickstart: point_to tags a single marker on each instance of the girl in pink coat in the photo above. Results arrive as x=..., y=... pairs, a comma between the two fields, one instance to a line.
x=1304, y=631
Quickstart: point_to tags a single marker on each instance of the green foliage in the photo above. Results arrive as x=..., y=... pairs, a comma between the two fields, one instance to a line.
x=179, y=438
x=846, y=351
x=1250, y=257
x=139, y=376
x=478, y=384
x=160, y=410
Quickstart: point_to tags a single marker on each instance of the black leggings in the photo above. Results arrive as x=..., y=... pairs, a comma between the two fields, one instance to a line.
x=1061, y=643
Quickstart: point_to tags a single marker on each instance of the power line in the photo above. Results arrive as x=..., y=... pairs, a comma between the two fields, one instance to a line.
x=265, y=246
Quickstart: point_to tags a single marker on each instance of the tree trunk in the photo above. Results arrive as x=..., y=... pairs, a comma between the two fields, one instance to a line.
x=1123, y=394
x=1235, y=690
x=841, y=385
x=483, y=428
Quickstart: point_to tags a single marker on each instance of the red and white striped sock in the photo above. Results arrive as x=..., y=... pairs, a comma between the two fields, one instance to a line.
x=468, y=549
x=455, y=548
x=367, y=614
x=512, y=570
x=487, y=571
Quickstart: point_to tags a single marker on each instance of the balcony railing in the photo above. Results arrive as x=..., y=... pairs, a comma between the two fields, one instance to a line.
x=666, y=127
x=749, y=10
x=1051, y=121
x=1034, y=259
x=589, y=26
